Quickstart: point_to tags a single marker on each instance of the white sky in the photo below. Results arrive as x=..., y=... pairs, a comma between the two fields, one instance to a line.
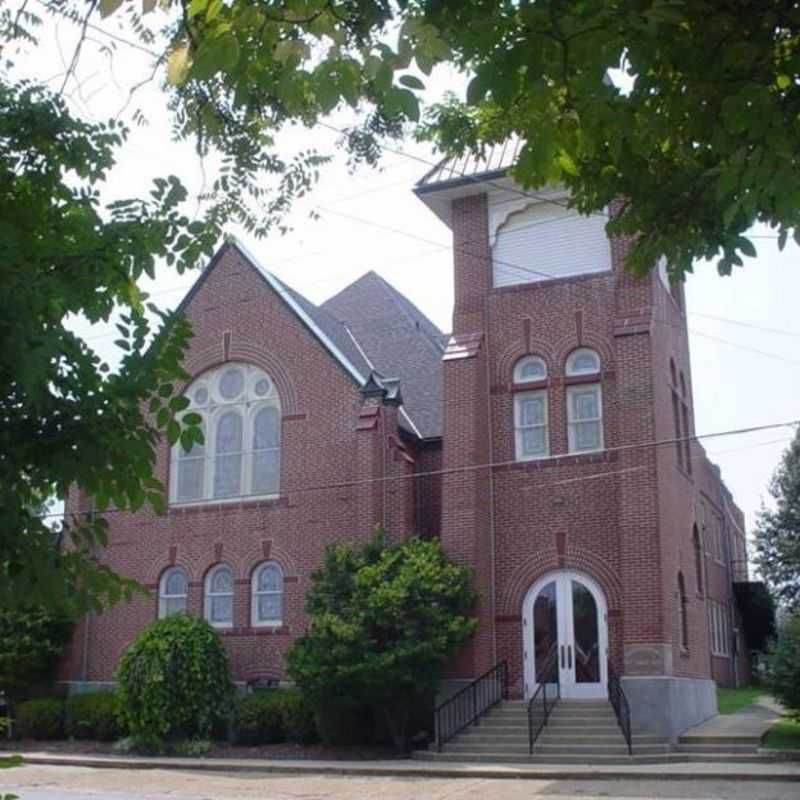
x=743, y=376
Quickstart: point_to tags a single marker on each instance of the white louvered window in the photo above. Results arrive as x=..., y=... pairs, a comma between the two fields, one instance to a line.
x=529, y=368
x=219, y=596
x=173, y=592
x=241, y=423
x=546, y=241
x=267, y=595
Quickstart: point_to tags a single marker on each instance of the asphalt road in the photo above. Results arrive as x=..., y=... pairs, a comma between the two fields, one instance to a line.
x=79, y=783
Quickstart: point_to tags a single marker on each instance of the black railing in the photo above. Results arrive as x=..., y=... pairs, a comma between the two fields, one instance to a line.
x=466, y=706
x=541, y=705
x=621, y=707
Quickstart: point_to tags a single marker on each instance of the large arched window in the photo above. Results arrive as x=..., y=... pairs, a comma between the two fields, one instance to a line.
x=267, y=595
x=219, y=596
x=531, y=438
x=584, y=402
x=173, y=592
x=241, y=422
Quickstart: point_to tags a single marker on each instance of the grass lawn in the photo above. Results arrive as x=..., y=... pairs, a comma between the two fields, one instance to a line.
x=783, y=735
x=732, y=700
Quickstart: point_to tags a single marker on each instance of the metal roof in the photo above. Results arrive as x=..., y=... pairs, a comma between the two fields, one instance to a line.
x=470, y=168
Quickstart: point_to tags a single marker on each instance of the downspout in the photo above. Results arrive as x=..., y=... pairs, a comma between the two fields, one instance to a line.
x=491, y=475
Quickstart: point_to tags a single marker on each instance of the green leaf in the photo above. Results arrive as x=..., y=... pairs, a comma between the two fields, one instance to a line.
x=173, y=431
x=412, y=81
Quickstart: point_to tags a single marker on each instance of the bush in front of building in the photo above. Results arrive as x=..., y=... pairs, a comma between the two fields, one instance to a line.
x=784, y=667
x=173, y=682
x=32, y=642
x=40, y=719
x=93, y=716
x=274, y=716
x=385, y=620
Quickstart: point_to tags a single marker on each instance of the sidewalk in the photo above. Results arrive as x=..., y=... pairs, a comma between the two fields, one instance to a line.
x=746, y=725
x=768, y=771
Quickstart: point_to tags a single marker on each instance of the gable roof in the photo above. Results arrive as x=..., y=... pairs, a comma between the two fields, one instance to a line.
x=398, y=341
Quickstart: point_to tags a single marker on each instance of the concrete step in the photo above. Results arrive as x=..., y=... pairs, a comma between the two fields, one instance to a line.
x=494, y=758
x=693, y=739
x=716, y=748
x=521, y=749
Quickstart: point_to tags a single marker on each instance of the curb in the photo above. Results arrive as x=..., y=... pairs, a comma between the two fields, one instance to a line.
x=405, y=769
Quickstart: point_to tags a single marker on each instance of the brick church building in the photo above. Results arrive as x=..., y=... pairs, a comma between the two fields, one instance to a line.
x=544, y=440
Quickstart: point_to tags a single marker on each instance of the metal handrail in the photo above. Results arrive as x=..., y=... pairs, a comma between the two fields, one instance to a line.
x=549, y=668
x=622, y=709
x=468, y=704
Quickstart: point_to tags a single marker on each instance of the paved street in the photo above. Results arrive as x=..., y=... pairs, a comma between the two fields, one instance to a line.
x=81, y=783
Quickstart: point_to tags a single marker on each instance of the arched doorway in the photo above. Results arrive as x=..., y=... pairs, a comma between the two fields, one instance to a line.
x=565, y=613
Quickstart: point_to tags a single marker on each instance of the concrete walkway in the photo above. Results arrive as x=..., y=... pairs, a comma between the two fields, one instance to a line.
x=744, y=727
x=767, y=771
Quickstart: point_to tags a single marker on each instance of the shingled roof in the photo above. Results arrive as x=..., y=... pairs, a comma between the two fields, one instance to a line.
x=369, y=327
x=397, y=340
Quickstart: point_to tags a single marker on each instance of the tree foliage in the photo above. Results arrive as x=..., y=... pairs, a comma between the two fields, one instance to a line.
x=777, y=535
x=702, y=144
x=784, y=664
x=66, y=421
x=173, y=681
x=32, y=642
x=385, y=620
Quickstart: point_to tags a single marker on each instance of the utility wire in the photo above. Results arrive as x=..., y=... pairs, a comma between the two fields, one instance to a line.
x=655, y=443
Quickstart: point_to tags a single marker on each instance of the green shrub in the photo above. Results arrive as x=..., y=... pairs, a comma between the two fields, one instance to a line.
x=40, y=719
x=93, y=716
x=33, y=640
x=298, y=718
x=784, y=662
x=260, y=719
x=385, y=621
x=173, y=681
x=191, y=748
x=344, y=724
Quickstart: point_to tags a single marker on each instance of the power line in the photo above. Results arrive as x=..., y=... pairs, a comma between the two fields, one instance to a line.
x=654, y=443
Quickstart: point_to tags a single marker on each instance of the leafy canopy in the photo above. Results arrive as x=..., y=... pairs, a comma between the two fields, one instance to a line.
x=385, y=620
x=784, y=664
x=777, y=535
x=66, y=421
x=702, y=145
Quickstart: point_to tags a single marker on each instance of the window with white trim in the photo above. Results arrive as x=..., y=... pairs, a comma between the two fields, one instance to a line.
x=530, y=368
x=267, y=595
x=173, y=592
x=584, y=418
x=582, y=361
x=241, y=421
x=219, y=596
x=530, y=425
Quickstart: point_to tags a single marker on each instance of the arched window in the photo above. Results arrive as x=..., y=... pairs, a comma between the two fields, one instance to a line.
x=676, y=412
x=530, y=368
x=531, y=438
x=267, y=595
x=173, y=591
x=698, y=558
x=219, y=596
x=241, y=423
x=582, y=362
x=584, y=403
x=683, y=612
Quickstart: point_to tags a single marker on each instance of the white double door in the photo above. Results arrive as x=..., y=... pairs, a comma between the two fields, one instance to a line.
x=565, y=631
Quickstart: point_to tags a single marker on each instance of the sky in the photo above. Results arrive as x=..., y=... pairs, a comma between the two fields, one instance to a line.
x=744, y=329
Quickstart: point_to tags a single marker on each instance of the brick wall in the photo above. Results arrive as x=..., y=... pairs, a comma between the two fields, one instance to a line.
x=235, y=309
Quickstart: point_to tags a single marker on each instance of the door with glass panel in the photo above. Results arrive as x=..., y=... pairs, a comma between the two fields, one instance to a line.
x=565, y=620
